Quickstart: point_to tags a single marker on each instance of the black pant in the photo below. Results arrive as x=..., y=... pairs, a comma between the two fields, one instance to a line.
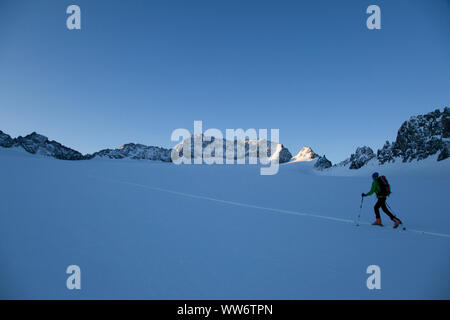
x=382, y=203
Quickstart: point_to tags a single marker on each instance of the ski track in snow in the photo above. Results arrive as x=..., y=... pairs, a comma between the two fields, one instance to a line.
x=246, y=205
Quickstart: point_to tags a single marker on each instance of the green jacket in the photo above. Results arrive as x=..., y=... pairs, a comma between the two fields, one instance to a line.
x=375, y=189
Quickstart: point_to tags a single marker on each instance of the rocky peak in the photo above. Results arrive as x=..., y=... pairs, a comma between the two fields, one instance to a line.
x=361, y=156
x=305, y=154
x=358, y=159
x=38, y=144
x=5, y=140
x=419, y=137
x=322, y=163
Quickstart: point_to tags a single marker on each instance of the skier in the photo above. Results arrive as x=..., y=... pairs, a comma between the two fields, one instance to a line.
x=381, y=196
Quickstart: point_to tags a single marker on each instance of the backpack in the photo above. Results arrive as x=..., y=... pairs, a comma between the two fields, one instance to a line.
x=385, y=188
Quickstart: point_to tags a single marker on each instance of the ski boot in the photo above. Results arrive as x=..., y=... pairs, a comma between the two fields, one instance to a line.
x=377, y=222
x=397, y=222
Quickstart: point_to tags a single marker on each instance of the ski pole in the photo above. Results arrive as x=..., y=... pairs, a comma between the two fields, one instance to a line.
x=360, y=209
x=391, y=209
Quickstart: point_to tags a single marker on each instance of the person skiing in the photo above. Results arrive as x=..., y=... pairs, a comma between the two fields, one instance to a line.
x=381, y=203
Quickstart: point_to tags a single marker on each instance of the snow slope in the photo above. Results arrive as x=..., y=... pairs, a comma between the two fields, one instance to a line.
x=154, y=230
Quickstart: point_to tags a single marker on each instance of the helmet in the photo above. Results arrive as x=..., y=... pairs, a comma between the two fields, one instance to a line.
x=375, y=175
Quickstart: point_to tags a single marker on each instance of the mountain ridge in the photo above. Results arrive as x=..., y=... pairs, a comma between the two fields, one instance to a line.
x=417, y=138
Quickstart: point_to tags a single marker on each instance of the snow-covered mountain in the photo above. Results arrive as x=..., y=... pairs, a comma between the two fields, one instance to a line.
x=134, y=151
x=358, y=159
x=251, y=146
x=322, y=163
x=307, y=154
x=418, y=138
x=38, y=144
x=35, y=143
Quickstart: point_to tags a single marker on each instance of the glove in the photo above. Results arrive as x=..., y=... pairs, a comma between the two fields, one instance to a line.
x=363, y=195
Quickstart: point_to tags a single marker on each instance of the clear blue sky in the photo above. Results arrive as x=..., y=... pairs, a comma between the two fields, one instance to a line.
x=139, y=69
